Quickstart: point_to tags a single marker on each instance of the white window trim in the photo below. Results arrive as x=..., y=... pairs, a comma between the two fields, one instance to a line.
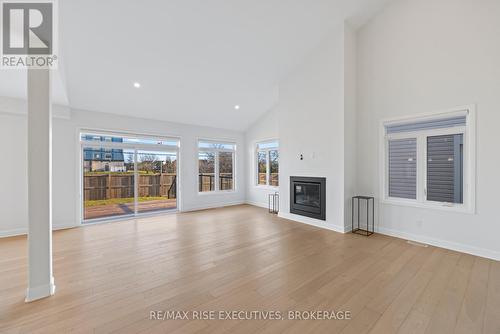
x=216, y=166
x=469, y=133
x=268, y=164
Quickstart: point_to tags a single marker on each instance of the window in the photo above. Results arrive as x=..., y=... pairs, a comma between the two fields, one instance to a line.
x=206, y=175
x=273, y=168
x=262, y=168
x=429, y=161
x=226, y=170
x=126, y=175
x=445, y=162
x=215, y=166
x=268, y=164
x=403, y=168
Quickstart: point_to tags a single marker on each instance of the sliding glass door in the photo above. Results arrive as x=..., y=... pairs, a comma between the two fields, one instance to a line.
x=108, y=182
x=157, y=181
x=125, y=176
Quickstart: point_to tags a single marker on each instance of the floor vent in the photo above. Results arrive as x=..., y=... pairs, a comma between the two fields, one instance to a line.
x=414, y=243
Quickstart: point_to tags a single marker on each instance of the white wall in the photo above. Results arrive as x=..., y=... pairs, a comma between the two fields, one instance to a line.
x=311, y=122
x=265, y=128
x=421, y=56
x=13, y=173
x=314, y=116
x=13, y=195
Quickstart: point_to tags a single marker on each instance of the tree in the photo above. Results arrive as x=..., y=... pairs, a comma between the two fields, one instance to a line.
x=149, y=163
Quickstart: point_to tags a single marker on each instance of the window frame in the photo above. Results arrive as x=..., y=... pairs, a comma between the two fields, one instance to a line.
x=267, y=151
x=216, y=165
x=469, y=163
x=107, y=144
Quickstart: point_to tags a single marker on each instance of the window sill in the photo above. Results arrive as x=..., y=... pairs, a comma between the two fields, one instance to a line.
x=220, y=192
x=429, y=205
x=265, y=187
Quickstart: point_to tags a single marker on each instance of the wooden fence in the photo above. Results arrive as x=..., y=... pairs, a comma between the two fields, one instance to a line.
x=274, y=179
x=111, y=185
x=121, y=185
x=207, y=181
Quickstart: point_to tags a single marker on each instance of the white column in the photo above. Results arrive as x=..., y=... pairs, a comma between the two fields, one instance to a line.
x=40, y=279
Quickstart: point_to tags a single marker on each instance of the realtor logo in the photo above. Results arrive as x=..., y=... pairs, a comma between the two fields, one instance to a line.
x=28, y=34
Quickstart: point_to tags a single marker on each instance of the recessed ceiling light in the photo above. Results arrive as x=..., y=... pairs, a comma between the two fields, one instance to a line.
x=137, y=85
x=236, y=107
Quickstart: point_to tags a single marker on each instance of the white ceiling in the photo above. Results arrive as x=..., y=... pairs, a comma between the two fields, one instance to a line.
x=195, y=60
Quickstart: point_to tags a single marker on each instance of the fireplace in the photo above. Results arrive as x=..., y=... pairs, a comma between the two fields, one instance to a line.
x=308, y=196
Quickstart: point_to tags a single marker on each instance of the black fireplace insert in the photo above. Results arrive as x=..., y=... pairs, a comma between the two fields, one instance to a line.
x=308, y=196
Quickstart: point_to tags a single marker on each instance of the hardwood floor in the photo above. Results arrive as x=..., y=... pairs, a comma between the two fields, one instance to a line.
x=109, y=278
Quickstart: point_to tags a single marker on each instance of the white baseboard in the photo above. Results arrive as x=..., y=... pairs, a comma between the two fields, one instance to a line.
x=212, y=206
x=311, y=221
x=259, y=204
x=302, y=219
x=458, y=247
x=39, y=292
x=13, y=232
x=24, y=230
x=64, y=226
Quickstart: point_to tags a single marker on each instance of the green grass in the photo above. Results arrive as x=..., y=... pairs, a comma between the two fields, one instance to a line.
x=107, y=173
x=121, y=201
x=140, y=172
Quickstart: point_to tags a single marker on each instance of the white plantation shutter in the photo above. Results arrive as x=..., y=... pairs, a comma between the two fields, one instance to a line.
x=403, y=168
x=445, y=168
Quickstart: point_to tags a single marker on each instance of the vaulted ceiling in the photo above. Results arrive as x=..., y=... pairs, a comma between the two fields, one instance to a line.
x=194, y=60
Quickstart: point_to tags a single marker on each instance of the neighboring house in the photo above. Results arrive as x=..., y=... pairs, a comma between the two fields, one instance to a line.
x=103, y=160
